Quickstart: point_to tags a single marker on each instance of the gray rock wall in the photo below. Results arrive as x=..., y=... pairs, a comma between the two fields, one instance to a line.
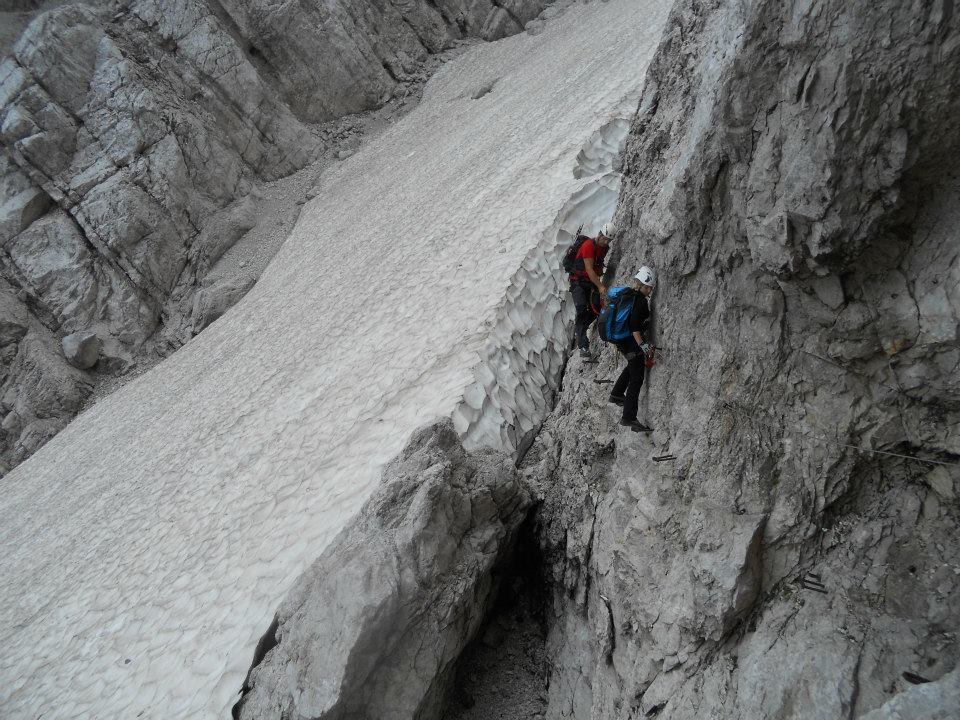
x=365, y=49
x=39, y=389
x=792, y=175
x=134, y=135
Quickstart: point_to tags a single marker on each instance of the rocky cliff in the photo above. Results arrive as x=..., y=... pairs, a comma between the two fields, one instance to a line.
x=784, y=546
x=374, y=628
x=147, y=547
x=137, y=137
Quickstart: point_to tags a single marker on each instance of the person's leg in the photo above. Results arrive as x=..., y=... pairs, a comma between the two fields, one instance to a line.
x=634, y=371
x=620, y=386
x=581, y=301
x=594, y=306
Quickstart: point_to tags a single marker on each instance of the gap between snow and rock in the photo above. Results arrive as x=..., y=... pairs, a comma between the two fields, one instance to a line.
x=519, y=372
x=504, y=673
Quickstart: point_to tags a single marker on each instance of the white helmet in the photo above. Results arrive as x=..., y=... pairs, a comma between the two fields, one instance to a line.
x=645, y=276
x=609, y=230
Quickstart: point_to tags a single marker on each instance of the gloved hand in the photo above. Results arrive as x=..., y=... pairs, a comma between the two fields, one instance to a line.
x=646, y=348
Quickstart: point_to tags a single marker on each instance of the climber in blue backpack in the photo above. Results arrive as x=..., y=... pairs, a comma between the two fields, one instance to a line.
x=624, y=322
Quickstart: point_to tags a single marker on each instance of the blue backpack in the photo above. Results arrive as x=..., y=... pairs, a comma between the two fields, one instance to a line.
x=614, y=319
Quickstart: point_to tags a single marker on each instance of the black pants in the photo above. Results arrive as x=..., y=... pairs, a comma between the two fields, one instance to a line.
x=630, y=382
x=582, y=292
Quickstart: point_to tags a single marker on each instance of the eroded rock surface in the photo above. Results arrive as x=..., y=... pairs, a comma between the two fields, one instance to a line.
x=373, y=628
x=927, y=701
x=792, y=175
x=39, y=390
x=135, y=135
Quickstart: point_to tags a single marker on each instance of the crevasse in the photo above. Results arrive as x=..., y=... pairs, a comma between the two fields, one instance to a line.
x=522, y=360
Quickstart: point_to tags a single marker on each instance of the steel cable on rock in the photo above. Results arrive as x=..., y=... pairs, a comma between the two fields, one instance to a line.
x=785, y=430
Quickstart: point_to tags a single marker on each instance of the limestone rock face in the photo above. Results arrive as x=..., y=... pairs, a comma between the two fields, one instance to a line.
x=362, y=54
x=928, y=701
x=373, y=628
x=133, y=133
x=39, y=390
x=792, y=177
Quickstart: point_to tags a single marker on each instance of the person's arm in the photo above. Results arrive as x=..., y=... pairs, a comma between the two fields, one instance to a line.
x=592, y=274
x=638, y=318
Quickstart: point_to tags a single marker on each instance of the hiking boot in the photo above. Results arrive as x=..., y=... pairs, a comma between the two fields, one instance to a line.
x=636, y=426
x=617, y=399
x=585, y=354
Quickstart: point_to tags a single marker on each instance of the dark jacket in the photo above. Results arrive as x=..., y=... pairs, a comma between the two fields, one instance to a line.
x=639, y=322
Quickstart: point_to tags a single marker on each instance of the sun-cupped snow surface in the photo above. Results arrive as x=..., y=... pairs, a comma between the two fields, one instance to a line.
x=144, y=550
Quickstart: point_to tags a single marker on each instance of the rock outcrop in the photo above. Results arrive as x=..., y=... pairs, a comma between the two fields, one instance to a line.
x=374, y=627
x=135, y=136
x=82, y=349
x=792, y=175
x=39, y=390
x=927, y=701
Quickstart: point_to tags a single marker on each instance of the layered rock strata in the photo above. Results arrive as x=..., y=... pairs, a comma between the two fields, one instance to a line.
x=135, y=136
x=784, y=545
x=38, y=386
x=374, y=627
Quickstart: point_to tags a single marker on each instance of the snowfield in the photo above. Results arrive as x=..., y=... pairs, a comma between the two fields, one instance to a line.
x=145, y=549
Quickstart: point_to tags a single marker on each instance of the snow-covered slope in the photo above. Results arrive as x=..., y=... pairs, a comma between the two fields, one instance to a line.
x=146, y=547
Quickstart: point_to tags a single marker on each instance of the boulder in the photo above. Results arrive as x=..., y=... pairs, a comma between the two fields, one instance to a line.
x=82, y=349
x=40, y=394
x=21, y=201
x=41, y=382
x=210, y=303
x=928, y=701
x=373, y=628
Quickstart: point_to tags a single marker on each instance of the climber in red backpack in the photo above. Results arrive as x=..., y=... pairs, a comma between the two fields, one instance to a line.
x=586, y=284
